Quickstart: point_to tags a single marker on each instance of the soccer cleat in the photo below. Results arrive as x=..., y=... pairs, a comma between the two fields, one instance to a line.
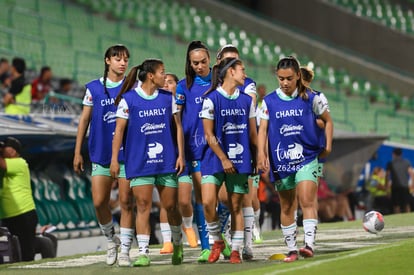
x=203, y=258
x=218, y=247
x=191, y=237
x=227, y=249
x=178, y=255
x=291, y=257
x=235, y=257
x=167, y=248
x=124, y=260
x=306, y=252
x=247, y=254
x=142, y=260
x=112, y=251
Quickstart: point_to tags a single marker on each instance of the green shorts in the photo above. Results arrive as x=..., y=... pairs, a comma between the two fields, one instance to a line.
x=235, y=183
x=168, y=180
x=255, y=179
x=320, y=169
x=99, y=170
x=307, y=172
x=185, y=179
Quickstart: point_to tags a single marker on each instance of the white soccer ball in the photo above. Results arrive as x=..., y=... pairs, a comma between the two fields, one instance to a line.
x=373, y=222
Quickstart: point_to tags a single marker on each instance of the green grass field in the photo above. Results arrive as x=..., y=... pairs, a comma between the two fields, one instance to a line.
x=342, y=248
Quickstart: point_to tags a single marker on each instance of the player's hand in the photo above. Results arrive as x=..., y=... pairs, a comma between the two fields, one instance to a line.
x=262, y=164
x=325, y=153
x=179, y=165
x=228, y=167
x=78, y=164
x=114, y=169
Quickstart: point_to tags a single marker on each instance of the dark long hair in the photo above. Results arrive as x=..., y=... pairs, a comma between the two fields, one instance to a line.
x=189, y=72
x=229, y=48
x=219, y=71
x=291, y=62
x=149, y=65
x=115, y=50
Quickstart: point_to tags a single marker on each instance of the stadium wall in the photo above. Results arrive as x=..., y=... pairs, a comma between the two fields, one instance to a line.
x=283, y=23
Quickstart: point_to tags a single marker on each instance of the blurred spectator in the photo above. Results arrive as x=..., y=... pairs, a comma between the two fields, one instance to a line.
x=17, y=100
x=17, y=207
x=344, y=209
x=65, y=86
x=41, y=86
x=46, y=243
x=327, y=203
x=379, y=190
x=4, y=73
x=399, y=171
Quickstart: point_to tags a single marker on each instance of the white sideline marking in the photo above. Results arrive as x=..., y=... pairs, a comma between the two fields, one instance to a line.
x=319, y=262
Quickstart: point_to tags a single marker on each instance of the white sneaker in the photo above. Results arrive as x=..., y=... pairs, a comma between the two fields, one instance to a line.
x=124, y=260
x=112, y=251
x=247, y=253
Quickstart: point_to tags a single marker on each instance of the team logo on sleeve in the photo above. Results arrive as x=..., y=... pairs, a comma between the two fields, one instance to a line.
x=234, y=150
x=180, y=97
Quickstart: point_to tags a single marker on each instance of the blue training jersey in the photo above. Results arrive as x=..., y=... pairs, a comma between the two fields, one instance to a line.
x=294, y=137
x=150, y=147
x=231, y=128
x=191, y=101
x=102, y=125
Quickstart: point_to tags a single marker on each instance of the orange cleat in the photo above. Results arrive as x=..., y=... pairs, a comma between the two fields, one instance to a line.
x=167, y=248
x=191, y=237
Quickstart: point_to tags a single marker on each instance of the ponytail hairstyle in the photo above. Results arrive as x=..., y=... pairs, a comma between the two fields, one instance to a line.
x=290, y=62
x=220, y=70
x=189, y=72
x=149, y=65
x=229, y=48
x=115, y=50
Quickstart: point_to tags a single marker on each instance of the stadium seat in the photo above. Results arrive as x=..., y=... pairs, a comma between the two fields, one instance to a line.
x=164, y=29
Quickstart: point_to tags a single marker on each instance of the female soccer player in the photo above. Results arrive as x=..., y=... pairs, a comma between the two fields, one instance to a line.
x=154, y=153
x=251, y=204
x=99, y=111
x=184, y=195
x=229, y=120
x=189, y=98
x=288, y=124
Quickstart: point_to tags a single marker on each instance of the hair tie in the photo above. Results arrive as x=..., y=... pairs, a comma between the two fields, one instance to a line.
x=225, y=68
